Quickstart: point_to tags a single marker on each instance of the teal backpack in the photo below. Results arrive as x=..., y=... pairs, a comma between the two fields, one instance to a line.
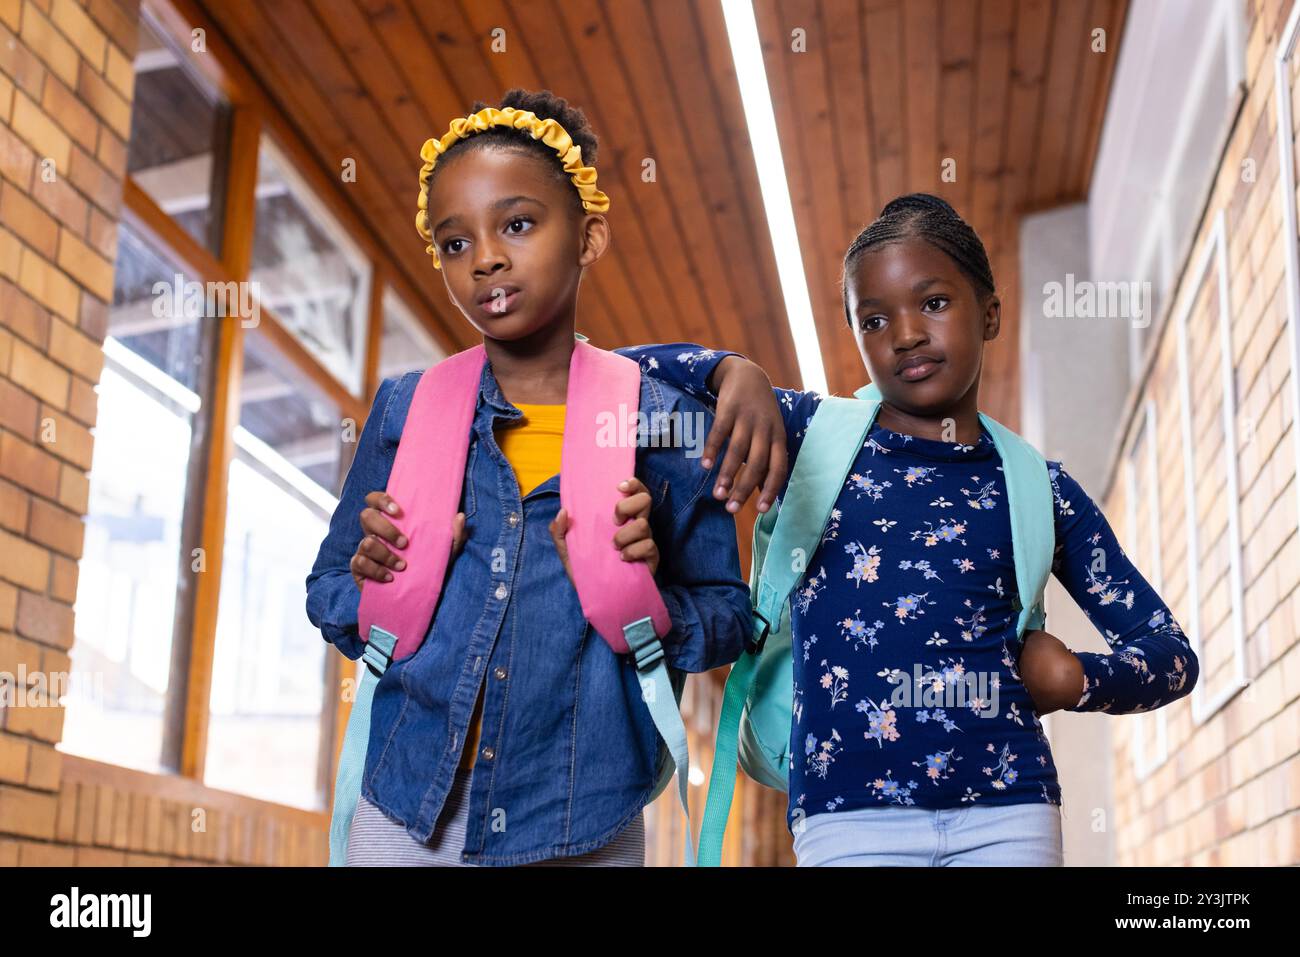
x=755, y=719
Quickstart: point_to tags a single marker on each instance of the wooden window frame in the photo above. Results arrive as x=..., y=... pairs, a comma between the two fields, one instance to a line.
x=250, y=114
x=1214, y=251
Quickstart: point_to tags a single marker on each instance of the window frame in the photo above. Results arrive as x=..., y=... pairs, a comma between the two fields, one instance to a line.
x=249, y=112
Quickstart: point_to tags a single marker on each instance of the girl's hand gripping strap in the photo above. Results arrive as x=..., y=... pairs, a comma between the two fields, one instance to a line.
x=620, y=599
x=394, y=616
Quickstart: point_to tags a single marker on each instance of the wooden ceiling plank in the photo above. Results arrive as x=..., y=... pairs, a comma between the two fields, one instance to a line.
x=661, y=256
x=350, y=104
x=920, y=18
x=802, y=107
x=743, y=213
x=957, y=99
x=842, y=25
x=633, y=293
x=451, y=37
x=992, y=89
x=1069, y=44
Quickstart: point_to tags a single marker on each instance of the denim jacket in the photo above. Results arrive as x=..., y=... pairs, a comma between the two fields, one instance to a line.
x=567, y=751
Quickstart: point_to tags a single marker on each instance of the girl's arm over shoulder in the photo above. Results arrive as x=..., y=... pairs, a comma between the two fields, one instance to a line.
x=333, y=596
x=764, y=425
x=1151, y=661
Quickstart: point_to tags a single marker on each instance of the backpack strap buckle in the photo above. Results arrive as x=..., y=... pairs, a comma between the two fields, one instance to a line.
x=756, y=644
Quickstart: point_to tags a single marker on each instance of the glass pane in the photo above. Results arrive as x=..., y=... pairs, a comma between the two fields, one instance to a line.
x=126, y=595
x=268, y=681
x=307, y=270
x=175, y=118
x=406, y=345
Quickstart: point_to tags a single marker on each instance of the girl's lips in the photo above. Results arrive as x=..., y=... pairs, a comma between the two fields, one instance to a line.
x=500, y=305
x=917, y=372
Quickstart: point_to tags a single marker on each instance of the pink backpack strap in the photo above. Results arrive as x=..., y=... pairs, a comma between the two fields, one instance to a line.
x=599, y=451
x=426, y=481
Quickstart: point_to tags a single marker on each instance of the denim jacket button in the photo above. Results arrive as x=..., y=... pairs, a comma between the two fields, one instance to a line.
x=488, y=754
x=513, y=519
x=500, y=673
x=501, y=592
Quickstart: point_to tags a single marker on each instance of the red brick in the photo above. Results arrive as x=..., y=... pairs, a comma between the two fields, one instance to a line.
x=23, y=315
x=41, y=133
x=83, y=401
x=49, y=44
x=17, y=410
x=27, y=813
x=101, y=233
x=121, y=27
x=120, y=72
x=56, y=528
x=44, y=619
x=48, y=285
x=61, y=201
x=108, y=104
x=69, y=112
x=96, y=182
x=16, y=158
x=45, y=767
x=24, y=564
x=76, y=350
x=13, y=516
x=26, y=465
x=13, y=759
x=20, y=63
x=63, y=579
x=94, y=318
x=85, y=265
x=78, y=27
x=66, y=438
x=74, y=489
x=32, y=224
x=38, y=375
x=11, y=13
x=111, y=152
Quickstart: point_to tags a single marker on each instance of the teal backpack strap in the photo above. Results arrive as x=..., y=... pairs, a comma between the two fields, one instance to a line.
x=784, y=542
x=661, y=701
x=352, y=760
x=1033, y=522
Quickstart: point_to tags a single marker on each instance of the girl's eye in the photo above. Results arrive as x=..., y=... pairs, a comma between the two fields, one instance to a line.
x=521, y=222
x=450, y=247
x=942, y=299
x=866, y=324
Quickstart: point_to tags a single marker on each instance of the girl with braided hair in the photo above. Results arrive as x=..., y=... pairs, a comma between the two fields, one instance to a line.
x=914, y=581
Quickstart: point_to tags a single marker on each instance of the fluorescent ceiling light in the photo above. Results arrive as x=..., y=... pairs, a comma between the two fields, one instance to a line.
x=747, y=54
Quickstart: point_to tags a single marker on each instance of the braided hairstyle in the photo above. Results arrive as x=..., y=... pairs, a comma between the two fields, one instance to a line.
x=925, y=216
x=547, y=106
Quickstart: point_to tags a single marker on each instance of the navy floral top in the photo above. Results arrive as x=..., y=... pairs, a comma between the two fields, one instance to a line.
x=904, y=625
x=904, y=631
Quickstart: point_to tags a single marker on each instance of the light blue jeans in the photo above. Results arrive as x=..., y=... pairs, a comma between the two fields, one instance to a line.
x=986, y=835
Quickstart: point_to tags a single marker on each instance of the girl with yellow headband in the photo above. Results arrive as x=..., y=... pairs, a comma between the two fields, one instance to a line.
x=513, y=736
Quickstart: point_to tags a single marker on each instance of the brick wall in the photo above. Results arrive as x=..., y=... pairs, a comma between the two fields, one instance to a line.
x=66, y=80
x=1229, y=791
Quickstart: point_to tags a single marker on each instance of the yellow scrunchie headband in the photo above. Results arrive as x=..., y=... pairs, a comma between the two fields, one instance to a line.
x=548, y=131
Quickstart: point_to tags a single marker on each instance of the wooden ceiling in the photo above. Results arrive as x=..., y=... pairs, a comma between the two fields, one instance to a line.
x=885, y=89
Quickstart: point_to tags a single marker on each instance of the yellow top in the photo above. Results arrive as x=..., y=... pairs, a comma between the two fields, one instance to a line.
x=532, y=444
x=532, y=447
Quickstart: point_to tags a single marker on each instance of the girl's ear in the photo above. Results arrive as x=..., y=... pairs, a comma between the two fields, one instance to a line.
x=595, y=238
x=992, y=318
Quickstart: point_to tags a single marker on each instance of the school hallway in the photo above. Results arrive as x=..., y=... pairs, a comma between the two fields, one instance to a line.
x=209, y=263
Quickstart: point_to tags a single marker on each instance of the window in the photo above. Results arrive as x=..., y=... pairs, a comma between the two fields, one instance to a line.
x=406, y=345
x=307, y=271
x=176, y=120
x=127, y=592
x=1176, y=89
x=269, y=669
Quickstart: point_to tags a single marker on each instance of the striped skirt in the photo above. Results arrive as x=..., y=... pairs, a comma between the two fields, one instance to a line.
x=376, y=841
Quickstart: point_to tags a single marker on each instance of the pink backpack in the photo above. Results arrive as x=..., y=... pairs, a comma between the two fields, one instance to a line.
x=620, y=599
